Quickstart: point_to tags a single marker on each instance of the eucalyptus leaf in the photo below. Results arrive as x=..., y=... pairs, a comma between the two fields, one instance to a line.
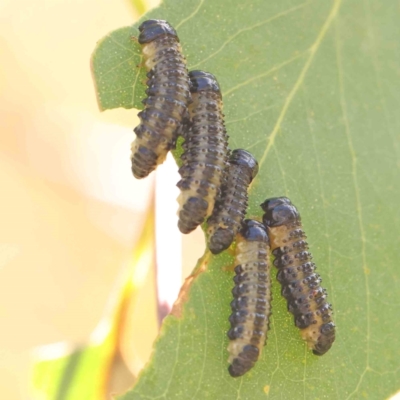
x=312, y=89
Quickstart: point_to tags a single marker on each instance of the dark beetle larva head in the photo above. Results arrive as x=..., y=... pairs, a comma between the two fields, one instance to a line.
x=274, y=202
x=200, y=80
x=254, y=231
x=279, y=211
x=243, y=157
x=153, y=29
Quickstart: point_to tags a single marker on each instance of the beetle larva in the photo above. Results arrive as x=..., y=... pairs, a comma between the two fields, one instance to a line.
x=251, y=306
x=230, y=207
x=205, y=152
x=301, y=287
x=168, y=97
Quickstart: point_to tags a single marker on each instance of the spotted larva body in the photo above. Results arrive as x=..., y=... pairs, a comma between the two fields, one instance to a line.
x=168, y=97
x=306, y=299
x=205, y=152
x=231, y=205
x=251, y=307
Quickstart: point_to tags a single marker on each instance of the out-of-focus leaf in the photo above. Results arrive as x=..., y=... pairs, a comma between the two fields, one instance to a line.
x=64, y=373
x=139, y=5
x=312, y=89
x=78, y=373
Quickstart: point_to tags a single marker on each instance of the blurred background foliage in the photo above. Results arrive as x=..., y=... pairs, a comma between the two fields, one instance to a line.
x=71, y=212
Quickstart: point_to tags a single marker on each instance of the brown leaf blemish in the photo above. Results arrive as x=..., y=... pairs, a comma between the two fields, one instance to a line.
x=183, y=296
x=229, y=267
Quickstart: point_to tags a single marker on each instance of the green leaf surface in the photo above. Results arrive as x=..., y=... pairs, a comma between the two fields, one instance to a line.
x=78, y=374
x=313, y=90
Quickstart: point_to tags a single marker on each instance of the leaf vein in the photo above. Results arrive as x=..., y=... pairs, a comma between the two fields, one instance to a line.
x=241, y=119
x=257, y=25
x=264, y=74
x=121, y=45
x=116, y=66
x=324, y=203
x=359, y=210
x=191, y=15
x=312, y=50
x=134, y=83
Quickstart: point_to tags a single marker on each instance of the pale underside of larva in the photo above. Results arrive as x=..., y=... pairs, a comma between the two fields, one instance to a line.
x=251, y=306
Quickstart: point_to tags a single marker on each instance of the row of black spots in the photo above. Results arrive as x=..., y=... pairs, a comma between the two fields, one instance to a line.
x=301, y=285
x=204, y=159
x=231, y=205
x=168, y=94
x=251, y=306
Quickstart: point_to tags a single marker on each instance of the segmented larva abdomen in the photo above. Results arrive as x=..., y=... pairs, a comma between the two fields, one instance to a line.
x=231, y=205
x=251, y=306
x=168, y=97
x=205, y=152
x=305, y=297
